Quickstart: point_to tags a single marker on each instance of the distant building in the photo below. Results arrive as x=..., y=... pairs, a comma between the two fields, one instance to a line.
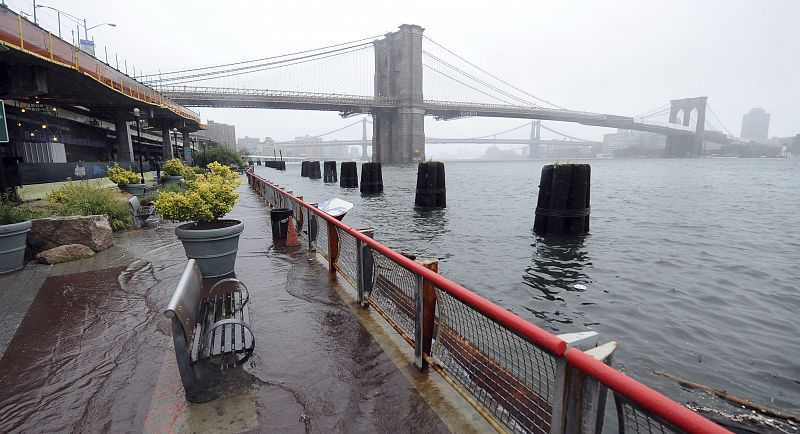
x=622, y=139
x=755, y=125
x=251, y=145
x=223, y=134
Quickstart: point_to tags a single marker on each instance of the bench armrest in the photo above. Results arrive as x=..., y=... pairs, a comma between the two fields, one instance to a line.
x=231, y=280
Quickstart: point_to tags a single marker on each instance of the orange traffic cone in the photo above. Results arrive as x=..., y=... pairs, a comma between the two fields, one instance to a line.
x=291, y=234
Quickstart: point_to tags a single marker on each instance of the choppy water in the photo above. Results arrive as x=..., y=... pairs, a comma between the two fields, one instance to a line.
x=692, y=265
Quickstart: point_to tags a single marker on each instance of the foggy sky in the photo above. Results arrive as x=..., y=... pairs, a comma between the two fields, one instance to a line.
x=620, y=57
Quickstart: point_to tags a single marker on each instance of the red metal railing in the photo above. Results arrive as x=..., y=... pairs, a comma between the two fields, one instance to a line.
x=657, y=408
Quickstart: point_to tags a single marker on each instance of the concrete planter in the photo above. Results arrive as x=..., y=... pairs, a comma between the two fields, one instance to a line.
x=174, y=180
x=214, y=249
x=12, y=245
x=134, y=189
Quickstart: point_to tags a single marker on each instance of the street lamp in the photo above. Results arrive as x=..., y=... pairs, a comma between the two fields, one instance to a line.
x=136, y=114
x=76, y=19
x=175, y=146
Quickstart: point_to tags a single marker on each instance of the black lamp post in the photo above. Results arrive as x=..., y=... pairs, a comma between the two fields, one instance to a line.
x=136, y=115
x=175, y=135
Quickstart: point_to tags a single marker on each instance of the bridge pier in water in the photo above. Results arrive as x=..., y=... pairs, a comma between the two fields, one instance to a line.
x=398, y=133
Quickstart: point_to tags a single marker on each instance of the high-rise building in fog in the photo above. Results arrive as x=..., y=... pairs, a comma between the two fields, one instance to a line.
x=755, y=125
x=223, y=134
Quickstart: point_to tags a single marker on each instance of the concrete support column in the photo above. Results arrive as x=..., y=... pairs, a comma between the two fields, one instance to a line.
x=124, y=145
x=187, y=146
x=685, y=145
x=166, y=144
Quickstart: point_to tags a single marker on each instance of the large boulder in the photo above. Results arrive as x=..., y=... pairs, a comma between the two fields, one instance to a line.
x=66, y=253
x=92, y=231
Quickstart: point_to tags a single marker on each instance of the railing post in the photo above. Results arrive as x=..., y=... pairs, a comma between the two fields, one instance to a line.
x=425, y=302
x=364, y=267
x=333, y=246
x=312, y=228
x=585, y=396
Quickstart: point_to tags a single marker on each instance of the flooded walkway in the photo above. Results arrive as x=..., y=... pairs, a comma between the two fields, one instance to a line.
x=92, y=351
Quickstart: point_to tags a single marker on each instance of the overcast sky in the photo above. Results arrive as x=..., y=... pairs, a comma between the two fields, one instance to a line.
x=620, y=57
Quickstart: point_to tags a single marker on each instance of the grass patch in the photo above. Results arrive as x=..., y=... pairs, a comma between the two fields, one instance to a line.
x=90, y=198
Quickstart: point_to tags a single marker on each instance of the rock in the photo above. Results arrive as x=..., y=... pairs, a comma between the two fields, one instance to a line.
x=92, y=231
x=66, y=253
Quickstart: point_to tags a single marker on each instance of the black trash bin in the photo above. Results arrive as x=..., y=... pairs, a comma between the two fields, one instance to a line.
x=280, y=223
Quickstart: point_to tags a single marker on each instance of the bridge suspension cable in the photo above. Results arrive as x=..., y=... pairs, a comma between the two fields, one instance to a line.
x=497, y=133
x=713, y=113
x=564, y=135
x=259, y=67
x=323, y=134
x=492, y=75
x=202, y=68
x=425, y=65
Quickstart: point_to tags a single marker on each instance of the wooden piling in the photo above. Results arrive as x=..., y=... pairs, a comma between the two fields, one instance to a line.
x=304, y=169
x=371, y=178
x=330, y=171
x=563, y=203
x=349, y=175
x=313, y=170
x=431, y=192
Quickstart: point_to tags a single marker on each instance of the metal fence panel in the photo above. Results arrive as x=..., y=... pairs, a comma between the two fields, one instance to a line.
x=347, y=262
x=393, y=292
x=513, y=379
x=633, y=419
x=321, y=243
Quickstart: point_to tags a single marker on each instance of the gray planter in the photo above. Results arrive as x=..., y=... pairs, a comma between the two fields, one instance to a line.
x=174, y=180
x=12, y=245
x=214, y=249
x=134, y=189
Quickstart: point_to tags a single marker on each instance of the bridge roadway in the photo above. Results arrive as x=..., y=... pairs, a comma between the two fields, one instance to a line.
x=193, y=96
x=433, y=140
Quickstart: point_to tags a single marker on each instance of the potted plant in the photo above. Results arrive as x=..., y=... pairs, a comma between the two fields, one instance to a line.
x=209, y=239
x=15, y=224
x=175, y=172
x=127, y=180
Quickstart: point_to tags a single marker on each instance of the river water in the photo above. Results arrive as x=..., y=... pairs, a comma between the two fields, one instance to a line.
x=692, y=265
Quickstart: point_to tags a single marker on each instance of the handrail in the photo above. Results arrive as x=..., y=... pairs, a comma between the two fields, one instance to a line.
x=636, y=392
x=645, y=397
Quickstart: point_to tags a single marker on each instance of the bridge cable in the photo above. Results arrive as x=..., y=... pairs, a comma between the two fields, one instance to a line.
x=719, y=120
x=465, y=84
x=266, y=67
x=564, y=135
x=254, y=68
x=489, y=85
x=493, y=76
x=491, y=135
x=258, y=60
x=305, y=139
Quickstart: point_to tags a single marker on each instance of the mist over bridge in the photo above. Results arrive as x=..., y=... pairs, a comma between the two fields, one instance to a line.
x=400, y=66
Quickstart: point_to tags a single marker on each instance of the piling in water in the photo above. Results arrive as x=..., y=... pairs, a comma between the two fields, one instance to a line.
x=258, y=162
x=563, y=205
x=431, y=191
x=313, y=170
x=371, y=178
x=304, y=169
x=330, y=171
x=349, y=178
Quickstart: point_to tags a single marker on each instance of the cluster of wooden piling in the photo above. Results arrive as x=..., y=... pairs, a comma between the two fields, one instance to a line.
x=371, y=178
x=349, y=175
x=330, y=171
x=310, y=169
x=431, y=192
x=563, y=205
x=279, y=165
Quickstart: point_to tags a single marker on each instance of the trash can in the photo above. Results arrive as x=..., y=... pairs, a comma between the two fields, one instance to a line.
x=280, y=223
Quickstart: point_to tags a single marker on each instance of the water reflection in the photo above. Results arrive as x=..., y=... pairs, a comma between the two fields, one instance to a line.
x=557, y=268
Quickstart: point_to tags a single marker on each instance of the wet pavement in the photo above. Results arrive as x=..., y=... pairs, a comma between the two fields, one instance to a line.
x=87, y=348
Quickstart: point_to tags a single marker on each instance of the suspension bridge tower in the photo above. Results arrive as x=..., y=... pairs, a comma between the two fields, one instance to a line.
x=398, y=134
x=682, y=111
x=536, y=137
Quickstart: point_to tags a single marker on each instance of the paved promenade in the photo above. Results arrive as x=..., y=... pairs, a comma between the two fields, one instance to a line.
x=85, y=348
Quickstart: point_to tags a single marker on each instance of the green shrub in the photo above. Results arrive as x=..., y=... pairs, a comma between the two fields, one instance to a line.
x=221, y=154
x=121, y=176
x=10, y=213
x=90, y=198
x=208, y=197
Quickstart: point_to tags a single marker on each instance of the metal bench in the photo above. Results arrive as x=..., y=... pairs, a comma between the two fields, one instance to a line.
x=210, y=330
x=140, y=213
